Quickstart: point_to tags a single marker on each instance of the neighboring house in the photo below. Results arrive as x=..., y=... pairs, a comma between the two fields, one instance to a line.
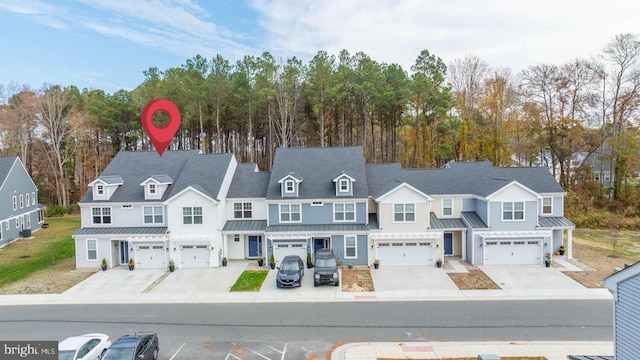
x=625, y=288
x=153, y=209
x=20, y=213
x=197, y=209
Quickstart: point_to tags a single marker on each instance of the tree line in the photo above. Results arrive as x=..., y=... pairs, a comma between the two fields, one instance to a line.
x=421, y=117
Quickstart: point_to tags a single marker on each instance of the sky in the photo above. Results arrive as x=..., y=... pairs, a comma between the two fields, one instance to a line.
x=108, y=44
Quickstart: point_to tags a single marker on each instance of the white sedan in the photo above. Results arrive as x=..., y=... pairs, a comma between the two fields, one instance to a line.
x=85, y=347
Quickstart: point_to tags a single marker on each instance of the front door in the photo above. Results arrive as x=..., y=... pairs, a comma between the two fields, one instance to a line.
x=321, y=243
x=124, y=252
x=255, y=246
x=448, y=244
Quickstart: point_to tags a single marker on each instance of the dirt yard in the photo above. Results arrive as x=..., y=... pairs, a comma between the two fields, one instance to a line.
x=357, y=279
x=56, y=279
x=598, y=265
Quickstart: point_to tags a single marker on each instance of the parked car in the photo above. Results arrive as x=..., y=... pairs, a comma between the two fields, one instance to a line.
x=136, y=346
x=85, y=347
x=290, y=272
x=325, y=270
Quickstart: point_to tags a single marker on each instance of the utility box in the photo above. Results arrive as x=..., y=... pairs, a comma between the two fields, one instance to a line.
x=25, y=233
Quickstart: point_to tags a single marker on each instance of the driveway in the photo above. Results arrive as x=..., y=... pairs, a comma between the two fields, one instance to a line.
x=529, y=277
x=118, y=280
x=411, y=278
x=201, y=281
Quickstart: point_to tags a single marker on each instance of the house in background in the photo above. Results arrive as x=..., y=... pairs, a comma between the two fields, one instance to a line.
x=625, y=288
x=20, y=213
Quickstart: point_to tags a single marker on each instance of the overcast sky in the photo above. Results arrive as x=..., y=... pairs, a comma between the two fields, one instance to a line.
x=108, y=44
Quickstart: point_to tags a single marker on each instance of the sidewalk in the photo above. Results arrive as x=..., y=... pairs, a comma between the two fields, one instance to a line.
x=552, y=350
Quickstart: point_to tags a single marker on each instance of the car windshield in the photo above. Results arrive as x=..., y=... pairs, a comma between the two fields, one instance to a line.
x=326, y=263
x=118, y=354
x=66, y=355
x=289, y=266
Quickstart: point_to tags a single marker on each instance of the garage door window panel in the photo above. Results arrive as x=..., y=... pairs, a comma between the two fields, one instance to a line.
x=404, y=213
x=513, y=211
x=344, y=212
x=350, y=248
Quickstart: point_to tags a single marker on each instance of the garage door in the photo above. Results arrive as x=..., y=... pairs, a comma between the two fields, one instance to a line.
x=283, y=249
x=512, y=252
x=194, y=256
x=150, y=257
x=405, y=253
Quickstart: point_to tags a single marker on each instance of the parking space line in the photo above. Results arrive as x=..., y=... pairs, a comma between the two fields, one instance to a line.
x=176, y=353
x=262, y=356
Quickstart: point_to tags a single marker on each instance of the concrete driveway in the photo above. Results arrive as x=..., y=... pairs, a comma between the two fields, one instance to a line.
x=529, y=277
x=201, y=281
x=411, y=279
x=118, y=280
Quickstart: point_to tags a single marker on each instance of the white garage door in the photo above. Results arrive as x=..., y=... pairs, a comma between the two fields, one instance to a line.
x=283, y=249
x=150, y=257
x=194, y=256
x=512, y=252
x=405, y=253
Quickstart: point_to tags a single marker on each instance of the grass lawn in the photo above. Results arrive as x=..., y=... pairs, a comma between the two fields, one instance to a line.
x=47, y=247
x=627, y=243
x=250, y=280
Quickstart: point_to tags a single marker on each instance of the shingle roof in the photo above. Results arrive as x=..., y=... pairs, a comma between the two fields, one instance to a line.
x=318, y=167
x=157, y=230
x=185, y=167
x=111, y=179
x=248, y=183
x=6, y=162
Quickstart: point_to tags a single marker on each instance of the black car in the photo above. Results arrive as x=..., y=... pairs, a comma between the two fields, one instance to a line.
x=136, y=346
x=290, y=272
x=325, y=270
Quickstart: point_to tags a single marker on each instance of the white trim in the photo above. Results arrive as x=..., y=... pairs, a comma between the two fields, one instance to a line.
x=290, y=212
x=391, y=236
x=443, y=207
x=513, y=211
x=542, y=207
x=153, y=214
x=404, y=212
x=379, y=198
x=355, y=246
x=95, y=241
x=491, y=196
x=344, y=212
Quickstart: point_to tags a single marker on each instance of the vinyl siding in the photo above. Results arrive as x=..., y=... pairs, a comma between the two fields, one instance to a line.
x=627, y=320
x=530, y=217
x=314, y=215
x=18, y=182
x=337, y=244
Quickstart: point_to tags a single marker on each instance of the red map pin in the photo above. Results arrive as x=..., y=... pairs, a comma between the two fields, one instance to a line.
x=160, y=136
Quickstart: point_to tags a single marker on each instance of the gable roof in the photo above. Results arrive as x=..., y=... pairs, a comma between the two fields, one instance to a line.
x=186, y=167
x=612, y=281
x=248, y=183
x=6, y=163
x=318, y=167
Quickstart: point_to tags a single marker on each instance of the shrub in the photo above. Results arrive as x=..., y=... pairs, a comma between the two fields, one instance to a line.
x=56, y=210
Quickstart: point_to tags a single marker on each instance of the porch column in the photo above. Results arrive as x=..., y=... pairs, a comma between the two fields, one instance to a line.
x=464, y=245
x=569, y=247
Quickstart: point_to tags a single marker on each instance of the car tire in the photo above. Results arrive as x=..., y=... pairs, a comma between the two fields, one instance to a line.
x=337, y=283
x=315, y=284
x=155, y=354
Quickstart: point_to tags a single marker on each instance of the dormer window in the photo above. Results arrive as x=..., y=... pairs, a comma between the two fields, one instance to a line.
x=344, y=185
x=289, y=186
x=152, y=189
x=100, y=189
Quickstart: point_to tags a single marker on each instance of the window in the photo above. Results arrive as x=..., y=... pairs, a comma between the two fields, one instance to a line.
x=242, y=210
x=288, y=186
x=0, y=231
x=153, y=215
x=192, y=215
x=344, y=185
x=100, y=189
x=547, y=206
x=27, y=200
x=7, y=225
x=447, y=207
x=404, y=212
x=40, y=215
x=607, y=177
x=28, y=221
x=101, y=215
x=236, y=238
x=596, y=177
x=317, y=203
x=15, y=202
x=17, y=223
x=33, y=198
x=21, y=201
x=152, y=189
x=513, y=211
x=92, y=249
x=290, y=213
x=350, y=249
x=344, y=212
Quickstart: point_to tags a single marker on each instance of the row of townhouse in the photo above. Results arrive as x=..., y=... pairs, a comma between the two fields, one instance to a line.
x=20, y=213
x=197, y=209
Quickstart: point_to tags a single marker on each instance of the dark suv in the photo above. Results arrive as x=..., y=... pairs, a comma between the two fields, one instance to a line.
x=290, y=272
x=136, y=346
x=325, y=270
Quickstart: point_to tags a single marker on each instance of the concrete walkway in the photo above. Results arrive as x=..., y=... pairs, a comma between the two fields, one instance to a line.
x=552, y=350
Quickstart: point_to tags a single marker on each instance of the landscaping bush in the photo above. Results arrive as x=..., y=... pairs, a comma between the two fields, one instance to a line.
x=56, y=210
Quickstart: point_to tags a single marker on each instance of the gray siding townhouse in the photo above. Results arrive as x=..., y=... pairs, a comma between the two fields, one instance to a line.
x=317, y=198
x=625, y=288
x=20, y=213
x=155, y=209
